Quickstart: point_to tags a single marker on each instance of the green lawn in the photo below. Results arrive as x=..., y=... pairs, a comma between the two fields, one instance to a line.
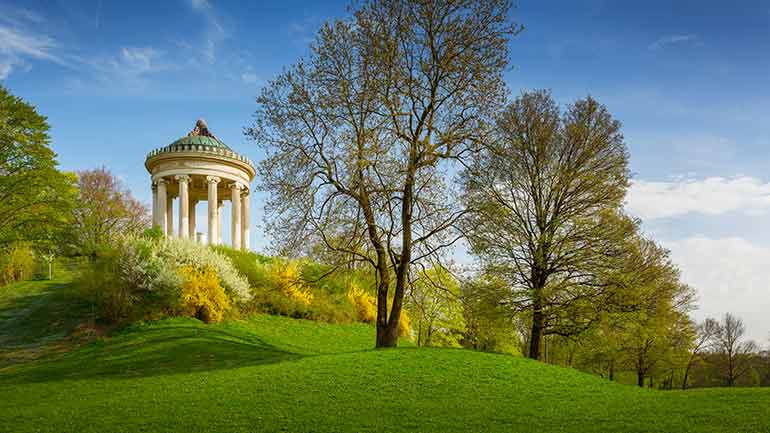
x=270, y=373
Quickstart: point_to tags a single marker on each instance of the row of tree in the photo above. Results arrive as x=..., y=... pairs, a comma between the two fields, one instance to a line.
x=44, y=211
x=395, y=139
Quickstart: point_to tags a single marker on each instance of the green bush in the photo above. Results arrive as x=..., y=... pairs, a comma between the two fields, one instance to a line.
x=294, y=288
x=138, y=278
x=17, y=263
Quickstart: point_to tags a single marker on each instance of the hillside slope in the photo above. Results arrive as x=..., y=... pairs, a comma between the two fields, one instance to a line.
x=269, y=373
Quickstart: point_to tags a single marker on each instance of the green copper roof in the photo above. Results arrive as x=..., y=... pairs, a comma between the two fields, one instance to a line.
x=201, y=140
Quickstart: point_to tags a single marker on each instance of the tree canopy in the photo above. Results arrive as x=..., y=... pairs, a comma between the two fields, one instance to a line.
x=35, y=196
x=545, y=193
x=360, y=135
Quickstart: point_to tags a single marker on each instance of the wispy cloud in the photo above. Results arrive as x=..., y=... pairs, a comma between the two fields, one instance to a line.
x=19, y=43
x=302, y=32
x=709, y=196
x=129, y=69
x=214, y=32
x=13, y=15
x=671, y=40
x=249, y=77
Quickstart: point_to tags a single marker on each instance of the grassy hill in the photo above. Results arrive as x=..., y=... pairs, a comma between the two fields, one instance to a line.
x=269, y=373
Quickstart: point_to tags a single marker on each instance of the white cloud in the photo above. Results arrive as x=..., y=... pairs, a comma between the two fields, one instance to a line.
x=128, y=69
x=249, y=76
x=214, y=31
x=18, y=45
x=710, y=196
x=671, y=40
x=139, y=60
x=15, y=16
x=730, y=275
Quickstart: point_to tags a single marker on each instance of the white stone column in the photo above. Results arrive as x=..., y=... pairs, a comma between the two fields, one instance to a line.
x=184, y=206
x=154, y=204
x=220, y=218
x=235, y=225
x=161, y=204
x=245, y=220
x=170, y=216
x=212, y=196
x=193, y=204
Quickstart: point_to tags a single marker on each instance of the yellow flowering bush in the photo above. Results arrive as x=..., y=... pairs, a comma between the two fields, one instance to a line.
x=202, y=296
x=285, y=275
x=366, y=307
x=404, y=325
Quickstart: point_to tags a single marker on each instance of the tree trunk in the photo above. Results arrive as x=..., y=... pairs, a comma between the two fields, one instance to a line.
x=640, y=379
x=390, y=334
x=612, y=370
x=686, y=375
x=537, y=331
x=383, y=339
x=419, y=334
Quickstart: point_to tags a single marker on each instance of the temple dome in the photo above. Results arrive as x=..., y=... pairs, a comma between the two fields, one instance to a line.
x=200, y=140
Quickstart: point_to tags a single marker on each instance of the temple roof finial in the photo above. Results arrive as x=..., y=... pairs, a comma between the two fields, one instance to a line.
x=201, y=129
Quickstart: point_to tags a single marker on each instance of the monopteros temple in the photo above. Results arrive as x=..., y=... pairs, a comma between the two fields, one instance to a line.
x=200, y=167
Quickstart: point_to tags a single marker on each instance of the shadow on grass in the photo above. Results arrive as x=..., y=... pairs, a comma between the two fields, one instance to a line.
x=152, y=351
x=35, y=313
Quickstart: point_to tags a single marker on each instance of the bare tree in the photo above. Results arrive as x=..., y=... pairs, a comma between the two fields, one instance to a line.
x=361, y=137
x=705, y=333
x=735, y=353
x=546, y=191
x=105, y=209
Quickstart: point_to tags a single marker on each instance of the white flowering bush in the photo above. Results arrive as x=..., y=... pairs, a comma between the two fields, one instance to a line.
x=180, y=252
x=140, y=266
x=142, y=278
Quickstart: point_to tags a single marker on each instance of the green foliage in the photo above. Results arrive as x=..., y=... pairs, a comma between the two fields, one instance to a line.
x=153, y=233
x=547, y=190
x=436, y=308
x=139, y=277
x=489, y=324
x=36, y=196
x=248, y=263
x=298, y=289
x=17, y=263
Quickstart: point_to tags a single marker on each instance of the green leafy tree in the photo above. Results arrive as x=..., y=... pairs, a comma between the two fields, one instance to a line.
x=437, y=310
x=545, y=192
x=16, y=262
x=361, y=135
x=35, y=197
x=489, y=326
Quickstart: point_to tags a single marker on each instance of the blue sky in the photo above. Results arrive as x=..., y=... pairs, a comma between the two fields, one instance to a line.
x=690, y=80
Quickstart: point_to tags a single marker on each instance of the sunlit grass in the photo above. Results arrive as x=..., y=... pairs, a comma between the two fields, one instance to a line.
x=270, y=373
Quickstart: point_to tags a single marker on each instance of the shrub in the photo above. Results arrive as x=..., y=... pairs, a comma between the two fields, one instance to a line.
x=202, y=296
x=404, y=325
x=285, y=276
x=251, y=265
x=16, y=263
x=366, y=306
x=182, y=252
x=139, y=278
x=130, y=280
